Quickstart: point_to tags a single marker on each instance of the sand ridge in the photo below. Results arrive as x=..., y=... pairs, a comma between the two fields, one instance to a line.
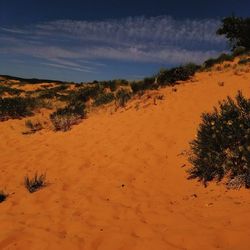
x=119, y=181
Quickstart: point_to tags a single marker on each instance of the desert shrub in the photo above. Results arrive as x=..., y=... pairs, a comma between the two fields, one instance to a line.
x=64, y=118
x=112, y=85
x=138, y=86
x=181, y=73
x=10, y=91
x=3, y=196
x=122, y=97
x=35, y=183
x=104, y=99
x=221, y=148
x=146, y=83
x=239, y=51
x=33, y=126
x=244, y=61
x=17, y=107
x=50, y=93
x=84, y=94
x=220, y=59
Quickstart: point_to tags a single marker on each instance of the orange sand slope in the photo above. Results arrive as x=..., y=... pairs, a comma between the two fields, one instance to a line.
x=118, y=181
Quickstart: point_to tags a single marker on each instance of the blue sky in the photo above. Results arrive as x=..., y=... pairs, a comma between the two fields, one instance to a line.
x=96, y=40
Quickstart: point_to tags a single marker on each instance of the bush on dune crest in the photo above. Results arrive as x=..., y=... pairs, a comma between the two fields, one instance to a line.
x=170, y=77
x=222, y=146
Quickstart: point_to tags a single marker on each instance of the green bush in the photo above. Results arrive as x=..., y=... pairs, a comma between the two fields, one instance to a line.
x=50, y=93
x=17, y=107
x=104, y=99
x=239, y=51
x=236, y=30
x=64, y=118
x=220, y=59
x=122, y=97
x=84, y=94
x=35, y=183
x=181, y=73
x=222, y=146
x=146, y=83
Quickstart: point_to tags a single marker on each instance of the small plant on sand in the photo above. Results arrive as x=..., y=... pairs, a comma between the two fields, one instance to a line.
x=33, y=126
x=222, y=146
x=64, y=118
x=35, y=183
x=3, y=196
x=122, y=97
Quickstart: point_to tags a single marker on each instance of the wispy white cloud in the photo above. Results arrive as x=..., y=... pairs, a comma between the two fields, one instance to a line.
x=76, y=45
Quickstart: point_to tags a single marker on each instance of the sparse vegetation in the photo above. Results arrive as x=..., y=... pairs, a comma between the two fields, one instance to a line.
x=221, y=148
x=9, y=90
x=33, y=126
x=244, y=61
x=64, y=118
x=35, y=183
x=16, y=107
x=104, y=99
x=220, y=59
x=146, y=83
x=122, y=97
x=239, y=51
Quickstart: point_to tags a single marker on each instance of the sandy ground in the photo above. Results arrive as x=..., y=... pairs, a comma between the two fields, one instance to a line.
x=119, y=182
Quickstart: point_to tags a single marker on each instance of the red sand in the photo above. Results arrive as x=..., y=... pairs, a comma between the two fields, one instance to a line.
x=117, y=181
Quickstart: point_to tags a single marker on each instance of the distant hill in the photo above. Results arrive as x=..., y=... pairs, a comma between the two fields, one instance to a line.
x=29, y=80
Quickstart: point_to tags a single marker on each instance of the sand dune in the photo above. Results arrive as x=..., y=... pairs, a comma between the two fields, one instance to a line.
x=118, y=181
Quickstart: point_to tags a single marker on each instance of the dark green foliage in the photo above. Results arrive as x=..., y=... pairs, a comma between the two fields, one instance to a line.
x=35, y=183
x=104, y=99
x=17, y=107
x=85, y=93
x=122, y=97
x=171, y=76
x=111, y=84
x=244, y=61
x=10, y=91
x=220, y=59
x=239, y=51
x=3, y=196
x=222, y=146
x=146, y=83
x=50, y=93
x=236, y=30
x=64, y=118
